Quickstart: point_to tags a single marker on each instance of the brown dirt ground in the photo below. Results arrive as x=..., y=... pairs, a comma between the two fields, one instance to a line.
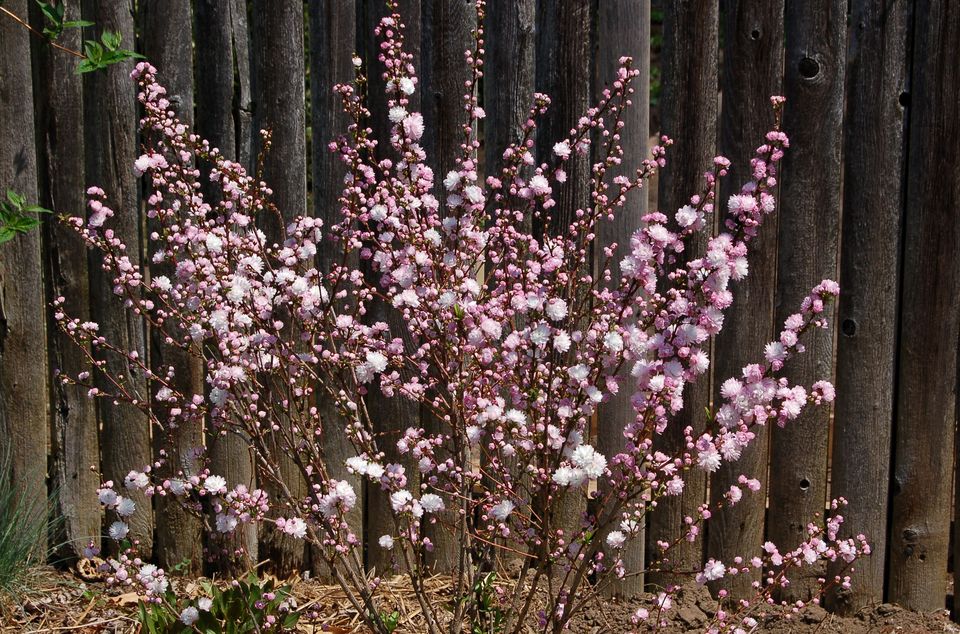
x=61, y=602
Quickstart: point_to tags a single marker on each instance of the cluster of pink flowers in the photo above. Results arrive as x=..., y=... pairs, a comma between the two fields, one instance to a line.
x=507, y=339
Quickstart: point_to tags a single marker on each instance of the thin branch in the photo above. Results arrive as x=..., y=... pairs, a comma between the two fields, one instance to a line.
x=24, y=24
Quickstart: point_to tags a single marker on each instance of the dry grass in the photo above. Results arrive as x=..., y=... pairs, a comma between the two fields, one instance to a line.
x=59, y=601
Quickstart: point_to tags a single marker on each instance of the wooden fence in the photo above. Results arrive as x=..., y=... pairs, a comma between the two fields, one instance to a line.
x=870, y=192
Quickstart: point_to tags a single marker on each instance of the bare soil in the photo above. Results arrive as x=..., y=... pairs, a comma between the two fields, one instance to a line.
x=60, y=601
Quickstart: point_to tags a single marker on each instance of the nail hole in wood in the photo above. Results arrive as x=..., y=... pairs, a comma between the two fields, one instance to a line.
x=809, y=67
x=804, y=484
x=848, y=327
x=904, y=99
x=755, y=34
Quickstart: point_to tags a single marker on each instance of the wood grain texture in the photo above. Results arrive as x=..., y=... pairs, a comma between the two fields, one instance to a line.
x=563, y=72
x=390, y=415
x=753, y=38
x=448, y=27
x=807, y=253
x=875, y=152
x=333, y=30
x=58, y=94
x=166, y=28
x=110, y=127
x=623, y=29
x=929, y=319
x=24, y=421
x=224, y=117
x=224, y=101
x=509, y=80
x=508, y=87
x=279, y=105
x=689, y=60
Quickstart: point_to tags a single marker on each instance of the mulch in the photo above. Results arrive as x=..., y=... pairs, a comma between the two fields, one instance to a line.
x=62, y=601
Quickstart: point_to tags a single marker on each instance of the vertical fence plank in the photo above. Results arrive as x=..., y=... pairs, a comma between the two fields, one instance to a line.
x=224, y=118
x=509, y=74
x=874, y=154
x=166, y=28
x=753, y=38
x=508, y=86
x=807, y=253
x=689, y=80
x=447, y=33
x=24, y=423
x=279, y=105
x=58, y=94
x=929, y=315
x=333, y=30
x=391, y=415
x=110, y=126
x=563, y=73
x=623, y=28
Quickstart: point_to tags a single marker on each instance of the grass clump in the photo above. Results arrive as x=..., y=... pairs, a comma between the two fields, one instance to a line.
x=23, y=531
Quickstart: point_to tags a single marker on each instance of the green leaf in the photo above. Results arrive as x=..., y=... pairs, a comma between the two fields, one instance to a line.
x=86, y=66
x=17, y=217
x=54, y=15
x=99, y=57
x=93, y=50
x=111, y=40
x=76, y=24
x=15, y=199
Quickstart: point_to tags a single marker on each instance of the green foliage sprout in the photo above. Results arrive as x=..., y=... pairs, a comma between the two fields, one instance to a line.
x=56, y=22
x=104, y=53
x=17, y=217
x=96, y=54
x=248, y=605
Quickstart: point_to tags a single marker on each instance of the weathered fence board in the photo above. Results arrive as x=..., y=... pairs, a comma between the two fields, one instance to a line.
x=929, y=315
x=448, y=27
x=110, y=125
x=279, y=105
x=224, y=117
x=563, y=73
x=510, y=74
x=392, y=415
x=753, y=38
x=508, y=86
x=167, y=40
x=623, y=28
x=333, y=30
x=689, y=78
x=75, y=444
x=874, y=149
x=24, y=424
x=807, y=251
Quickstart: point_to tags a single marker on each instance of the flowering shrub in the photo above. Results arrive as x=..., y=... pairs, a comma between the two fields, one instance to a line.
x=506, y=339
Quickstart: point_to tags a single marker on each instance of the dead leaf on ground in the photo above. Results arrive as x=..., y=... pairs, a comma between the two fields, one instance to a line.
x=127, y=598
